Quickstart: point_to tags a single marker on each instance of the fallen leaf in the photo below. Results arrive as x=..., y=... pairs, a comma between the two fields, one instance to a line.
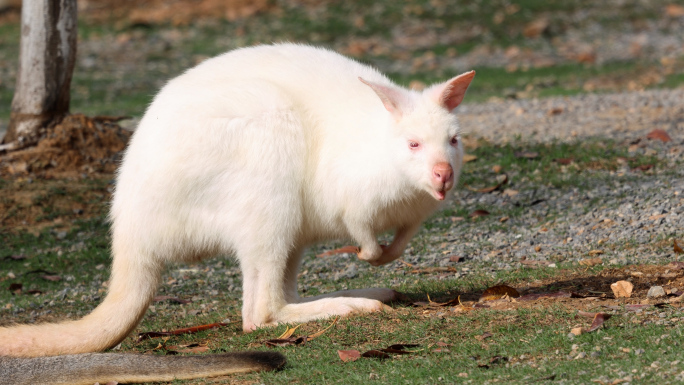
x=577, y=331
x=190, y=348
x=658, y=134
x=483, y=336
x=53, y=278
x=591, y=262
x=674, y=10
x=497, y=168
x=455, y=258
x=40, y=271
x=349, y=355
x=341, y=250
x=286, y=341
x=496, y=292
x=536, y=27
x=289, y=332
x=598, y=319
x=503, y=180
x=190, y=330
x=469, y=158
x=564, y=161
x=643, y=167
x=677, y=248
x=479, y=213
x=555, y=111
x=403, y=346
x=375, y=354
x=622, y=289
x=595, y=252
x=320, y=333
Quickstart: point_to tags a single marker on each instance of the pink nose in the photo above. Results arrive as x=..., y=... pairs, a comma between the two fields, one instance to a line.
x=442, y=172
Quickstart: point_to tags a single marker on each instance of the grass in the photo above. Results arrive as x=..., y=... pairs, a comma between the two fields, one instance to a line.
x=531, y=344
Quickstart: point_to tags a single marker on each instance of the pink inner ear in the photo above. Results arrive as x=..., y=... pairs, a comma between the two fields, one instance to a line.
x=454, y=90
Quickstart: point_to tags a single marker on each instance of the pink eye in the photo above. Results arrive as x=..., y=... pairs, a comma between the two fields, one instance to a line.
x=454, y=141
x=414, y=145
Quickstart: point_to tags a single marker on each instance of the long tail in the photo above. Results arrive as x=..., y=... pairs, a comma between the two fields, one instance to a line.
x=132, y=285
x=126, y=368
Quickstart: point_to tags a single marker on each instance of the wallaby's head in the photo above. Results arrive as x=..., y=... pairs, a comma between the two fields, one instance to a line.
x=427, y=145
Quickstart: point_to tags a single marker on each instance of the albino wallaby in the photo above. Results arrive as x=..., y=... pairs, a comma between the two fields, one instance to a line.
x=259, y=153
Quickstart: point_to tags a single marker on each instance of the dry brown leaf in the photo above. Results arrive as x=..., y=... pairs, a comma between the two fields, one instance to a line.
x=479, y=213
x=375, y=354
x=536, y=27
x=677, y=248
x=191, y=348
x=483, y=336
x=286, y=341
x=591, y=262
x=191, y=330
x=622, y=289
x=501, y=179
x=643, y=167
x=349, y=355
x=15, y=288
x=289, y=332
x=596, y=252
x=674, y=10
x=499, y=291
x=555, y=111
x=598, y=319
x=658, y=134
x=320, y=333
x=469, y=158
x=577, y=331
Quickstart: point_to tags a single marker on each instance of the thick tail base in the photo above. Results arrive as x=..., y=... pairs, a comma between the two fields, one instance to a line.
x=127, y=368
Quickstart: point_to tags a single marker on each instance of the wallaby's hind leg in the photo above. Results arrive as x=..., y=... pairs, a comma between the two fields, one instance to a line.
x=272, y=299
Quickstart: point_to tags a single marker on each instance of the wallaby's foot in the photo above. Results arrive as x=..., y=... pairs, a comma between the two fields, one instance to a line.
x=341, y=303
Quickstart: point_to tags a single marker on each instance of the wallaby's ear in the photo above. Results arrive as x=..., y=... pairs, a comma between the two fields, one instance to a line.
x=391, y=97
x=450, y=93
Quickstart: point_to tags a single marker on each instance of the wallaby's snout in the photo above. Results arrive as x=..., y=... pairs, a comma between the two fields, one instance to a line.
x=442, y=179
x=443, y=173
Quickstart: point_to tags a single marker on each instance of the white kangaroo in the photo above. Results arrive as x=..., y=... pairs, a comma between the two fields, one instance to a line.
x=258, y=153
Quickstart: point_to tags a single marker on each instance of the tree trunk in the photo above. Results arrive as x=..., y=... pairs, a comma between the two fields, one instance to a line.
x=46, y=61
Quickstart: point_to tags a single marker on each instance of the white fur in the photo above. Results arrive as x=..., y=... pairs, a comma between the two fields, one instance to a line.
x=259, y=153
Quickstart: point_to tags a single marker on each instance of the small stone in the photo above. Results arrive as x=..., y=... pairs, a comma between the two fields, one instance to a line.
x=580, y=356
x=656, y=292
x=639, y=352
x=622, y=289
x=595, y=354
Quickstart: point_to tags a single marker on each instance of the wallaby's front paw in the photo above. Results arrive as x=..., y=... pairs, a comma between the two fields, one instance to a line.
x=372, y=255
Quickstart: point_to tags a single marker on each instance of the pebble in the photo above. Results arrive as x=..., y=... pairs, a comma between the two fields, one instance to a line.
x=656, y=292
